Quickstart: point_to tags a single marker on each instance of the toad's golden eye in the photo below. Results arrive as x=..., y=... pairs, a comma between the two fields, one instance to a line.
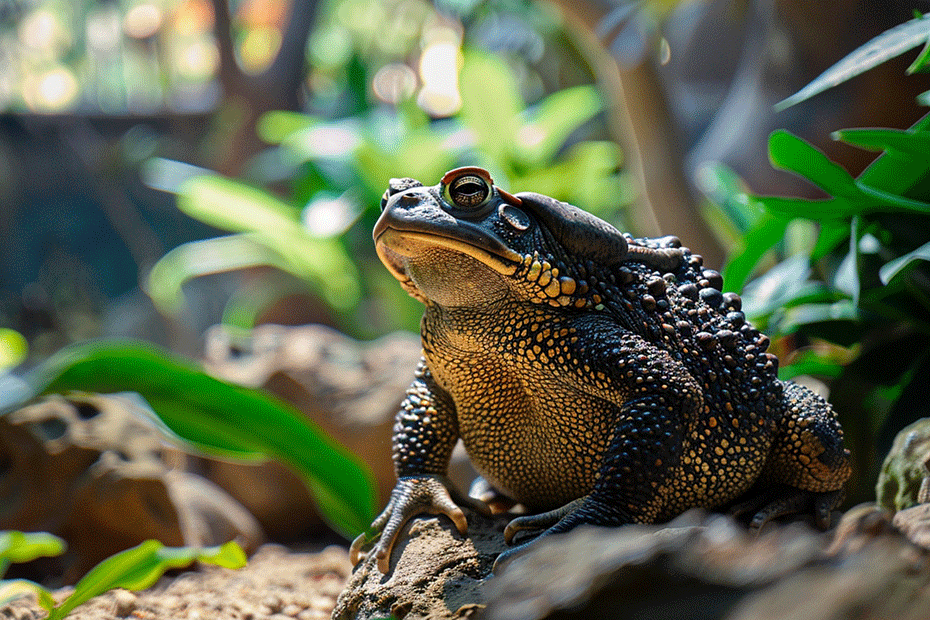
x=468, y=191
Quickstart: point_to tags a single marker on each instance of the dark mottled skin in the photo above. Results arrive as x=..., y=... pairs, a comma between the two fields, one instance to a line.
x=593, y=377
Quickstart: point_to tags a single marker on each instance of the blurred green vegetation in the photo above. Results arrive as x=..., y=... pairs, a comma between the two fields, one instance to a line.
x=133, y=569
x=306, y=204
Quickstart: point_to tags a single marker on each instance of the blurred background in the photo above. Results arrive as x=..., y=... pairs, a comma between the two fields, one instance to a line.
x=110, y=108
x=168, y=165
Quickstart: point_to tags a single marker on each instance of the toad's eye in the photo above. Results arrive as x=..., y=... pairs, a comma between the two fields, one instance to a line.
x=468, y=191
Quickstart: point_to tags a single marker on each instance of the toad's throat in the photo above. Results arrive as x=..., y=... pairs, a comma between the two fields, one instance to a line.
x=396, y=247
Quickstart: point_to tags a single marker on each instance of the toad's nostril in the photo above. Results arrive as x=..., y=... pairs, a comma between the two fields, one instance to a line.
x=398, y=185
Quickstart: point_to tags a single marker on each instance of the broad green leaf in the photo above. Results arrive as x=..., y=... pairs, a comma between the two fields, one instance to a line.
x=13, y=348
x=891, y=43
x=790, y=152
x=915, y=144
x=220, y=418
x=549, y=123
x=17, y=547
x=199, y=258
x=12, y=589
x=850, y=196
x=892, y=268
x=764, y=236
x=896, y=173
x=140, y=567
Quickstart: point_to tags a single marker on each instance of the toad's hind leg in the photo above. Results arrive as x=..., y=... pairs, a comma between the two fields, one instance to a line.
x=807, y=465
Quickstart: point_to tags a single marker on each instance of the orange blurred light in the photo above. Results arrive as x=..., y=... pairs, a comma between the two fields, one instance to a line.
x=193, y=17
x=263, y=13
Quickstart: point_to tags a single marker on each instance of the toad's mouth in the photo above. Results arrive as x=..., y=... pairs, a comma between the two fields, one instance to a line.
x=396, y=247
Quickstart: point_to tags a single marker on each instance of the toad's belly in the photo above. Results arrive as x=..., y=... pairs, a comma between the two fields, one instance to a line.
x=543, y=455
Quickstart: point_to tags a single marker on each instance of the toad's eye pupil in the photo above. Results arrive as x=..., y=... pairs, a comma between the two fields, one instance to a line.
x=468, y=191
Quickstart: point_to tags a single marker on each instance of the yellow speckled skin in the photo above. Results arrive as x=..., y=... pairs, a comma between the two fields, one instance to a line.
x=603, y=379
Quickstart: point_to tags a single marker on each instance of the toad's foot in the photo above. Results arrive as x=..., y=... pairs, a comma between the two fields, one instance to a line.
x=780, y=501
x=412, y=496
x=584, y=510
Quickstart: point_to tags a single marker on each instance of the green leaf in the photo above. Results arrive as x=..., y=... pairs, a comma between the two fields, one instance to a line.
x=922, y=62
x=832, y=234
x=889, y=270
x=220, y=418
x=13, y=348
x=140, y=567
x=17, y=547
x=916, y=144
x=238, y=207
x=790, y=152
x=811, y=364
x=12, y=589
x=850, y=196
x=725, y=189
x=765, y=235
x=924, y=98
x=891, y=43
x=198, y=258
x=276, y=126
x=776, y=286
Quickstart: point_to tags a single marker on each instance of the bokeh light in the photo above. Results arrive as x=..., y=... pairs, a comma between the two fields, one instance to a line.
x=439, y=72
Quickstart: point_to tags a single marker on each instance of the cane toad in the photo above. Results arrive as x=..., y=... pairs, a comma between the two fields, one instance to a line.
x=592, y=377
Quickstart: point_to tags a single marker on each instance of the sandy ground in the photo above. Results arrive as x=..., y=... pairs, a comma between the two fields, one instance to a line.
x=277, y=584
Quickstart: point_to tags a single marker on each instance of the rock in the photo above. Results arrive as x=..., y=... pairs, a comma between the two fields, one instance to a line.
x=435, y=573
x=92, y=469
x=905, y=477
x=914, y=522
x=351, y=389
x=698, y=566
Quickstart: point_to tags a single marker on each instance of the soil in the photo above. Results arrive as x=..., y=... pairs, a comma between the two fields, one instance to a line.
x=277, y=584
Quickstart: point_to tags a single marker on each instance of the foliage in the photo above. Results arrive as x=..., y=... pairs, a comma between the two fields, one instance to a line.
x=851, y=295
x=337, y=171
x=886, y=46
x=133, y=569
x=221, y=419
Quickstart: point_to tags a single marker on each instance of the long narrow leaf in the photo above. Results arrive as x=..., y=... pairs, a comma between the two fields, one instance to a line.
x=12, y=589
x=892, y=268
x=913, y=143
x=221, y=418
x=17, y=547
x=140, y=567
x=885, y=46
x=792, y=153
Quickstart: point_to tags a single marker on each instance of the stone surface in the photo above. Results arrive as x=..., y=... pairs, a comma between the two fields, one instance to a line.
x=435, y=572
x=698, y=566
x=92, y=469
x=905, y=477
x=351, y=389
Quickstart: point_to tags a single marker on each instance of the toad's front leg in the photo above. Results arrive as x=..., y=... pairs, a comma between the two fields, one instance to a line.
x=424, y=434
